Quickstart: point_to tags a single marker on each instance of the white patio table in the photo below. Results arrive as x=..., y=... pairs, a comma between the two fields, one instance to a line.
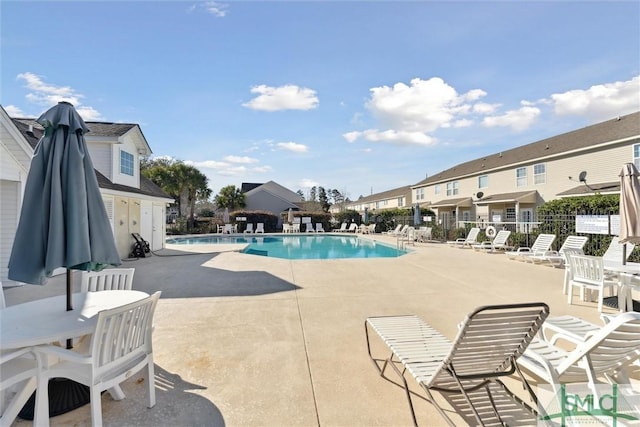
x=45, y=321
x=629, y=280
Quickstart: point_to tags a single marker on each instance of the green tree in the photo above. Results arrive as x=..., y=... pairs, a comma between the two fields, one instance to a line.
x=301, y=194
x=313, y=194
x=230, y=197
x=178, y=180
x=323, y=199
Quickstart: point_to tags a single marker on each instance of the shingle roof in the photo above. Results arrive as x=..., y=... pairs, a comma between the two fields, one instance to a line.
x=463, y=202
x=385, y=195
x=583, y=190
x=95, y=128
x=147, y=187
x=32, y=132
x=612, y=130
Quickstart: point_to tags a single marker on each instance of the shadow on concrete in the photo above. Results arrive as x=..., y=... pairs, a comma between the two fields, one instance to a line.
x=182, y=275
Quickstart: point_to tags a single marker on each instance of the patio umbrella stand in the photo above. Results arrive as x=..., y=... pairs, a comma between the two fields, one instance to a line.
x=63, y=223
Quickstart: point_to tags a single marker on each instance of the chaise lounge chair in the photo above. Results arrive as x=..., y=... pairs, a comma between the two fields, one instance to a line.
x=488, y=343
x=499, y=243
x=260, y=228
x=603, y=353
x=540, y=246
x=556, y=258
x=468, y=241
x=249, y=229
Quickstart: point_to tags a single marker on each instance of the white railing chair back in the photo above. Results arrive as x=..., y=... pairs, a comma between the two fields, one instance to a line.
x=120, y=346
x=605, y=352
x=587, y=274
x=110, y=279
x=567, y=267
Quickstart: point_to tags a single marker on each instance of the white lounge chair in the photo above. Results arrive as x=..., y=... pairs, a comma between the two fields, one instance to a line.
x=260, y=228
x=401, y=231
x=604, y=353
x=343, y=228
x=353, y=228
x=396, y=230
x=540, y=246
x=466, y=242
x=613, y=254
x=249, y=229
x=489, y=341
x=319, y=228
x=499, y=243
x=120, y=346
x=110, y=279
x=310, y=228
x=556, y=258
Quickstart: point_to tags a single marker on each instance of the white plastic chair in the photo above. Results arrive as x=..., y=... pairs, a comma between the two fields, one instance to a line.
x=249, y=228
x=498, y=243
x=309, y=228
x=260, y=228
x=319, y=228
x=120, y=346
x=18, y=372
x=110, y=279
x=587, y=274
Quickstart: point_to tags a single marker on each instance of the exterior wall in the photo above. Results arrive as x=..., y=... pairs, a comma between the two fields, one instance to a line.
x=601, y=165
x=9, y=211
x=101, y=157
x=117, y=176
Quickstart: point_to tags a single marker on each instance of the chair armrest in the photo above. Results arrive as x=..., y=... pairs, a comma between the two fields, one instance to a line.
x=523, y=249
x=6, y=356
x=62, y=353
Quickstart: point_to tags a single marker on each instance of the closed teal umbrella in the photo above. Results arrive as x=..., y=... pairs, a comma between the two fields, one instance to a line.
x=63, y=221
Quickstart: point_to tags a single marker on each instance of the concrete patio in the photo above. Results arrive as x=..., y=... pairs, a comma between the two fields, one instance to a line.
x=245, y=340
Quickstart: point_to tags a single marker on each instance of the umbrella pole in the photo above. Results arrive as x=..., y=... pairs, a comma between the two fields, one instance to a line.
x=69, y=303
x=624, y=254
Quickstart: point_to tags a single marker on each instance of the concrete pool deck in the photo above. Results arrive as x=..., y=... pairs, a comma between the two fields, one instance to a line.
x=245, y=340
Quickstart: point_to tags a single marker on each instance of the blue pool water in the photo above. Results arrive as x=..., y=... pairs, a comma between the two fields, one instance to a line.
x=301, y=246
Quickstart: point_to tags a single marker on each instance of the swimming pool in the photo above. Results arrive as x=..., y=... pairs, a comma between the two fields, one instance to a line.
x=300, y=246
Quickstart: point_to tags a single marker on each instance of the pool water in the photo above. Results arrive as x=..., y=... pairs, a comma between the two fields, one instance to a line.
x=301, y=246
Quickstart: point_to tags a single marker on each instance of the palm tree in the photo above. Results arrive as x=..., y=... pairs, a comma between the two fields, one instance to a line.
x=230, y=197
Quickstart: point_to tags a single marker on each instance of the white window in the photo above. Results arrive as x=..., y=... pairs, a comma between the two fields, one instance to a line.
x=483, y=181
x=126, y=163
x=381, y=203
x=521, y=177
x=540, y=173
x=420, y=194
x=452, y=188
x=636, y=155
x=400, y=201
x=437, y=189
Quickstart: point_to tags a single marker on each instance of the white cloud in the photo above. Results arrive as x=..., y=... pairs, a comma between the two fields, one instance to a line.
x=216, y=9
x=288, y=97
x=411, y=113
x=424, y=106
x=48, y=95
x=519, y=119
x=392, y=136
x=263, y=169
x=208, y=164
x=292, y=146
x=307, y=183
x=14, y=111
x=240, y=159
x=600, y=102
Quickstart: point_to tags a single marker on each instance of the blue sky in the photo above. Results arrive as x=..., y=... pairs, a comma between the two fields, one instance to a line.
x=360, y=96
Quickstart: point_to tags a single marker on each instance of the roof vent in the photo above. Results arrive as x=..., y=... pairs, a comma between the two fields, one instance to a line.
x=31, y=128
x=547, y=147
x=500, y=155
